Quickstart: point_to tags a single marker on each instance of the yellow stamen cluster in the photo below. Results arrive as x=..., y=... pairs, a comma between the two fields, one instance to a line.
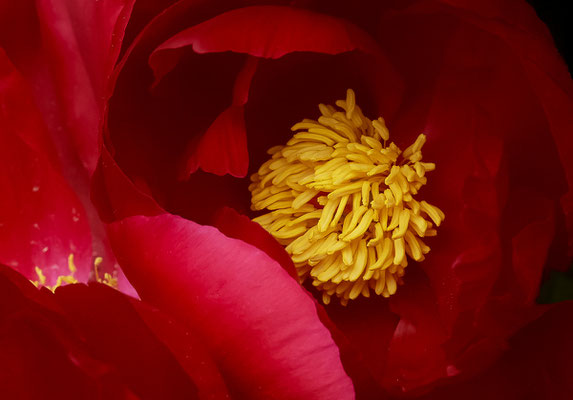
x=108, y=279
x=62, y=279
x=341, y=199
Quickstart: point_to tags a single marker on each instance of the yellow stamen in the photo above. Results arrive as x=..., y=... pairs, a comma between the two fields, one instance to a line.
x=62, y=279
x=108, y=279
x=341, y=201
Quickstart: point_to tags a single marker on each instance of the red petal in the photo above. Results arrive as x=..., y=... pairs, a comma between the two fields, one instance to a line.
x=42, y=221
x=257, y=320
x=113, y=330
x=68, y=50
x=114, y=194
x=94, y=335
x=415, y=356
x=267, y=32
x=42, y=354
x=188, y=349
x=484, y=124
x=223, y=147
x=537, y=365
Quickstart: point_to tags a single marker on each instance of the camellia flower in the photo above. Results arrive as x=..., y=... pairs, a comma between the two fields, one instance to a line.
x=406, y=162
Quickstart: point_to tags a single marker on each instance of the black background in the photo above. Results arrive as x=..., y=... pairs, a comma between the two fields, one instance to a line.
x=559, y=18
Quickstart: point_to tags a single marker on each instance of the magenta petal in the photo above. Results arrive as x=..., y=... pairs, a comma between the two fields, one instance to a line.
x=258, y=322
x=238, y=226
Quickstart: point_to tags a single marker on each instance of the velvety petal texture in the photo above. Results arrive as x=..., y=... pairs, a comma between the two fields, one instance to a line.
x=260, y=325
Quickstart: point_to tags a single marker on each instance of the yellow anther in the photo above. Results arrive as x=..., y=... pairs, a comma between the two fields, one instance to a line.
x=341, y=201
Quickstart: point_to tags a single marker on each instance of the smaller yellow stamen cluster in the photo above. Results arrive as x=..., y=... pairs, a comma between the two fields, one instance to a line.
x=108, y=279
x=342, y=202
x=61, y=279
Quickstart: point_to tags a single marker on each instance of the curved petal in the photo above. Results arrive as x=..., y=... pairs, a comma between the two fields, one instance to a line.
x=258, y=322
x=266, y=32
x=237, y=226
x=223, y=147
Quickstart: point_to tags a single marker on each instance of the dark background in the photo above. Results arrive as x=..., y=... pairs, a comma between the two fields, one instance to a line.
x=559, y=21
x=559, y=286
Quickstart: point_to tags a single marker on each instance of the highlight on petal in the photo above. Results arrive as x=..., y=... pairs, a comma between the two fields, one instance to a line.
x=258, y=322
x=237, y=226
x=84, y=42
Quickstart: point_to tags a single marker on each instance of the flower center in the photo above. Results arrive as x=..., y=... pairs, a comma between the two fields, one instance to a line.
x=341, y=200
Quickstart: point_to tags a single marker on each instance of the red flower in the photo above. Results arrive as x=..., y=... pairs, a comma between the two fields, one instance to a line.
x=481, y=80
x=200, y=93
x=54, y=70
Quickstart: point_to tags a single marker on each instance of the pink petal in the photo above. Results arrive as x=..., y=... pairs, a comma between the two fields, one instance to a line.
x=259, y=323
x=237, y=226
